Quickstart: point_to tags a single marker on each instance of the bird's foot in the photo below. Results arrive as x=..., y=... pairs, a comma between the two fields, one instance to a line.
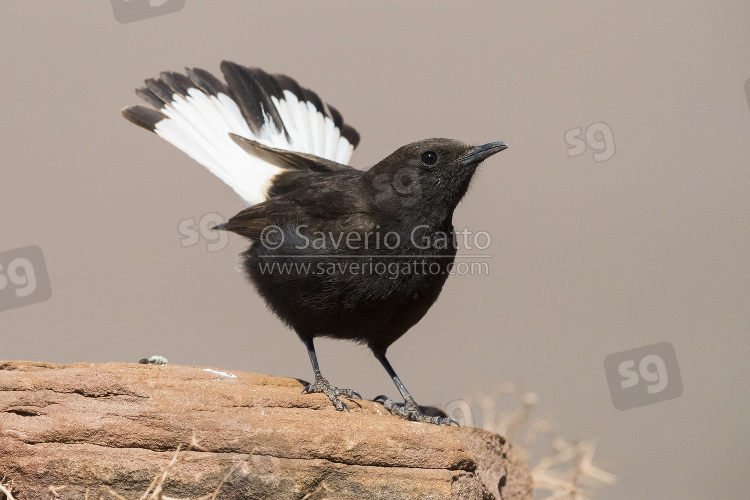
x=410, y=411
x=323, y=386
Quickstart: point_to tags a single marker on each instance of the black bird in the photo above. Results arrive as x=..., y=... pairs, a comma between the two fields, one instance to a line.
x=336, y=252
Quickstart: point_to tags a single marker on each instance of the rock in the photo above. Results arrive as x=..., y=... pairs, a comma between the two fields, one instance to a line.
x=117, y=425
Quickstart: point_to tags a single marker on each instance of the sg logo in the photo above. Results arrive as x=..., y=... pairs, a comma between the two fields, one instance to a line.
x=192, y=232
x=23, y=278
x=127, y=11
x=598, y=137
x=643, y=376
x=402, y=187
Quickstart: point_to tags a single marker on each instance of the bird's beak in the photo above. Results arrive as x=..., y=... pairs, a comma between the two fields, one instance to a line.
x=481, y=153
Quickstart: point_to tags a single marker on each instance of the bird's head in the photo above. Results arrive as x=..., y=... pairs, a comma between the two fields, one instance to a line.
x=432, y=173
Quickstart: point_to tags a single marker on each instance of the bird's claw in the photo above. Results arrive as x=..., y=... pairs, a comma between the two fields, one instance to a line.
x=321, y=385
x=349, y=393
x=410, y=411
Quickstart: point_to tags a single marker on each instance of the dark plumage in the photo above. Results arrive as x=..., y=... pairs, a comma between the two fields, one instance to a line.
x=336, y=252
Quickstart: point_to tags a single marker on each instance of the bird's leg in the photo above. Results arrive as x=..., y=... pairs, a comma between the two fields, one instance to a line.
x=409, y=409
x=323, y=386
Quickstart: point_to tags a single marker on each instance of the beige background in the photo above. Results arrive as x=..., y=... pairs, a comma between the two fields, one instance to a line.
x=590, y=258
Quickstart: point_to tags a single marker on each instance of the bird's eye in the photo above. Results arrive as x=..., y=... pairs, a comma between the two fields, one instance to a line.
x=429, y=158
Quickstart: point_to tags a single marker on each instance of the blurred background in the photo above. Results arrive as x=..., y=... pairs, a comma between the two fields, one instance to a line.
x=619, y=216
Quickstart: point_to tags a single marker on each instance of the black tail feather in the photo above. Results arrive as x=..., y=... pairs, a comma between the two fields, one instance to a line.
x=143, y=116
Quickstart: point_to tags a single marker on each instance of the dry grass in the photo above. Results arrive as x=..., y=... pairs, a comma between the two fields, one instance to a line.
x=561, y=469
x=155, y=489
x=6, y=489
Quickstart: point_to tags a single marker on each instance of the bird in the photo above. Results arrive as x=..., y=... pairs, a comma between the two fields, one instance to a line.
x=334, y=251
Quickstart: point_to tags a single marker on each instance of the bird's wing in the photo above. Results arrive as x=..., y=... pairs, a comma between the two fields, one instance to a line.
x=198, y=112
x=286, y=159
x=317, y=208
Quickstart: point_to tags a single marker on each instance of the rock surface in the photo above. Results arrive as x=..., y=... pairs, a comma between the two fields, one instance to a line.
x=86, y=425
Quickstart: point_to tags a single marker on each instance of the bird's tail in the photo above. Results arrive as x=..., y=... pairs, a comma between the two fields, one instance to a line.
x=197, y=113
